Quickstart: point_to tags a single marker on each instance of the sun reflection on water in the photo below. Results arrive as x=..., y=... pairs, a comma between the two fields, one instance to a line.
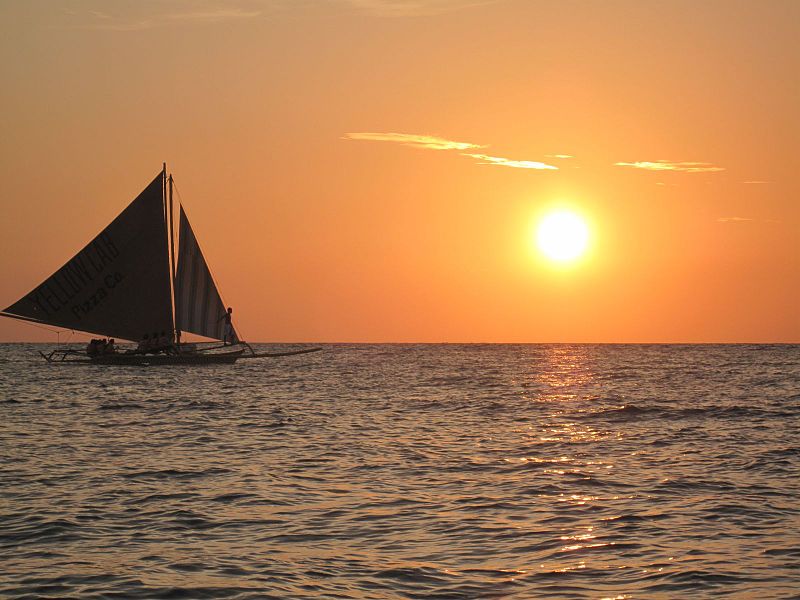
x=563, y=373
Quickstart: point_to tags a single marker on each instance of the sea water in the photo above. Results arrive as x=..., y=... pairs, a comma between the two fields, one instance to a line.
x=406, y=471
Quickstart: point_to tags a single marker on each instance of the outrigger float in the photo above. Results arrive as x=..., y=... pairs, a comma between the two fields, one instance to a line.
x=199, y=356
x=125, y=284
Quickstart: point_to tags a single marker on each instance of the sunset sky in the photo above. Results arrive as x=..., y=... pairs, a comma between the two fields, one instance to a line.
x=375, y=170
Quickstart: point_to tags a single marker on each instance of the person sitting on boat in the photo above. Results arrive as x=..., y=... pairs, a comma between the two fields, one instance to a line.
x=110, y=348
x=155, y=343
x=144, y=345
x=91, y=347
x=227, y=332
x=164, y=343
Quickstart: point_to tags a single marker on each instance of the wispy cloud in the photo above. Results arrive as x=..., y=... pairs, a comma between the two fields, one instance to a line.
x=734, y=219
x=756, y=182
x=507, y=162
x=745, y=220
x=429, y=142
x=148, y=15
x=666, y=165
x=141, y=19
x=413, y=8
x=212, y=16
x=559, y=156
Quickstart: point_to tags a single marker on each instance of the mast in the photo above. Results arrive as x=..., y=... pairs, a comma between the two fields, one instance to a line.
x=165, y=180
x=164, y=190
x=172, y=253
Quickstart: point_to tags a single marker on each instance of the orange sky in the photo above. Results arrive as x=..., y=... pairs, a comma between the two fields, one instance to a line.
x=274, y=117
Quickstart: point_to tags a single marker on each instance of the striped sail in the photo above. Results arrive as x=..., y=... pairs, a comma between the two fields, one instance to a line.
x=198, y=306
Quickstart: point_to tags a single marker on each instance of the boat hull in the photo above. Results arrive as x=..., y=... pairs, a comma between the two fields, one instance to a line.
x=75, y=357
x=223, y=358
x=144, y=360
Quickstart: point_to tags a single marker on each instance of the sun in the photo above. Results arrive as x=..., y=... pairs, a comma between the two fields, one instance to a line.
x=562, y=236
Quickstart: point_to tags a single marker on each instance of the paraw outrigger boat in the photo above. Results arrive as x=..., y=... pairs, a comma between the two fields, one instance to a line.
x=124, y=284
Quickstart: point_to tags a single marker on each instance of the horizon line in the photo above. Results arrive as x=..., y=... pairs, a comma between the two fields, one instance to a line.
x=444, y=343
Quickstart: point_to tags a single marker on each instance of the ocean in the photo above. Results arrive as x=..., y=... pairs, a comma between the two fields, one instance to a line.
x=406, y=471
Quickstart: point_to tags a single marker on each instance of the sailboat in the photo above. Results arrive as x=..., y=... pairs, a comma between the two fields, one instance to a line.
x=124, y=284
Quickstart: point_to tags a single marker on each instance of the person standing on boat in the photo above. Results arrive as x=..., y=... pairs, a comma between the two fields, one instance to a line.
x=227, y=332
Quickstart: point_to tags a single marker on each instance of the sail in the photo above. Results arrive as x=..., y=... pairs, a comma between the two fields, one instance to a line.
x=119, y=284
x=198, y=306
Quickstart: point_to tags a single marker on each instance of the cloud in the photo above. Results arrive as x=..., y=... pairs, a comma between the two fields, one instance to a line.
x=559, y=156
x=734, y=219
x=414, y=8
x=428, y=142
x=107, y=16
x=213, y=16
x=666, y=165
x=745, y=220
x=141, y=18
x=755, y=182
x=506, y=162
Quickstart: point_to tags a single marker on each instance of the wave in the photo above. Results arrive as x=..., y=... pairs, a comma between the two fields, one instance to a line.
x=693, y=579
x=39, y=531
x=120, y=406
x=634, y=412
x=166, y=474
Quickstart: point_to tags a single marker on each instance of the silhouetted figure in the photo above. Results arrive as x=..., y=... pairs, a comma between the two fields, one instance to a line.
x=110, y=347
x=144, y=345
x=167, y=344
x=159, y=342
x=227, y=332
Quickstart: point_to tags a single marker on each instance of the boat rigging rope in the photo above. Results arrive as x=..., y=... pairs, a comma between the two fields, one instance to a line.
x=58, y=332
